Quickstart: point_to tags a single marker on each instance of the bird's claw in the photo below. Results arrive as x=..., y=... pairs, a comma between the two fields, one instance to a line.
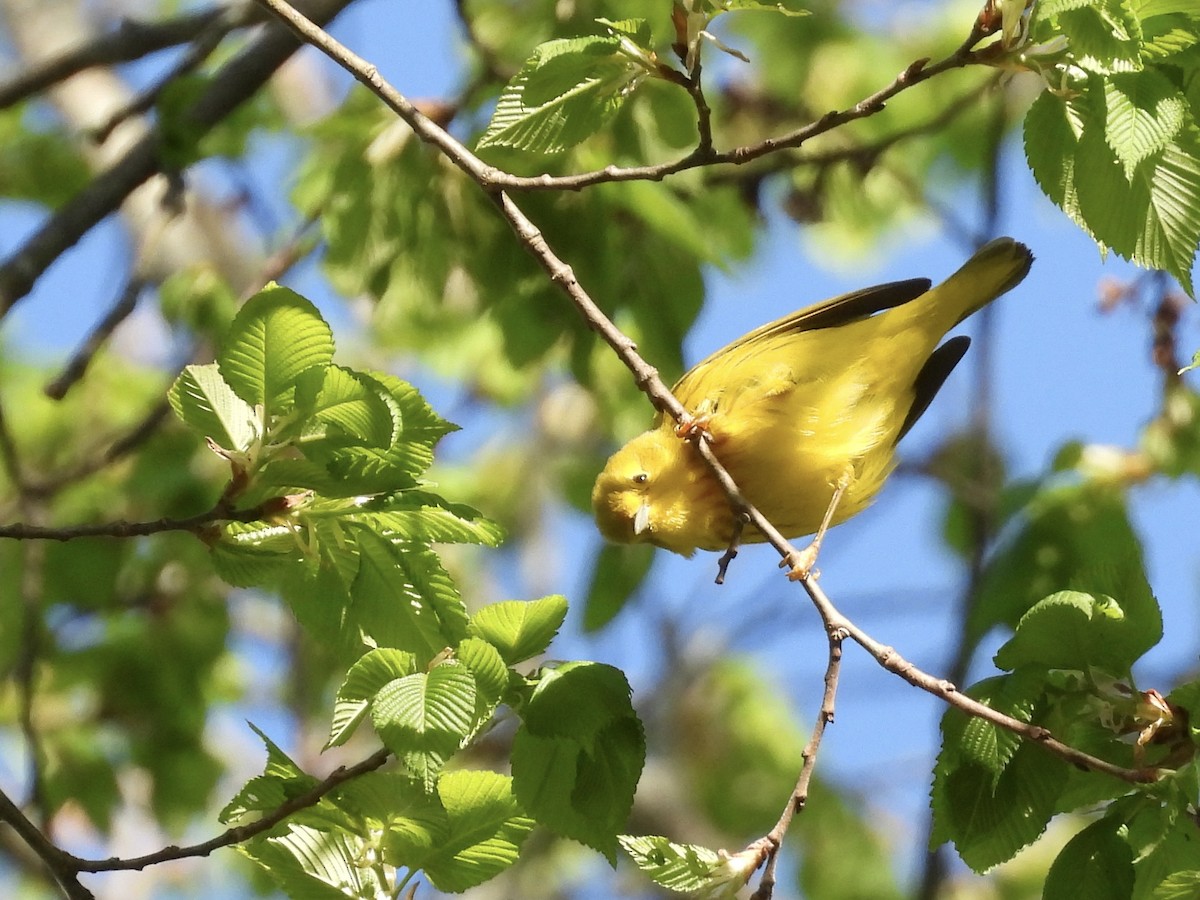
x=800, y=563
x=694, y=426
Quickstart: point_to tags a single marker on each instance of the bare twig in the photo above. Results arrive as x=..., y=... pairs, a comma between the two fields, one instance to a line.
x=238, y=833
x=59, y=863
x=222, y=512
x=82, y=358
x=774, y=838
x=197, y=52
x=234, y=83
x=132, y=40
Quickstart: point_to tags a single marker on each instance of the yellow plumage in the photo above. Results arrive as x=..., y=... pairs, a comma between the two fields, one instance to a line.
x=796, y=406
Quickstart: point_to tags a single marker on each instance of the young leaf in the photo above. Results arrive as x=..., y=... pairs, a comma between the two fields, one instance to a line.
x=1074, y=630
x=364, y=680
x=351, y=409
x=485, y=833
x=1144, y=114
x=277, y=343
x=565, y=92
x=988, y=818
x=425, y=717
x=519, y=629
x=578, y=754
x=281, y=779
x=677, y=867
x=202, y=399
x=491, y=674
x=424, y=518
x=311, y=863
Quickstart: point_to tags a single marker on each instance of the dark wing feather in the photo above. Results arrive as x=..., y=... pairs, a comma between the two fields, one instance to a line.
x=932, y=376
x=827, y=314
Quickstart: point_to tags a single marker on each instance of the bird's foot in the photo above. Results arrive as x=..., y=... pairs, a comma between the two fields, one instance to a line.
x=694, y=427
x=800, y=563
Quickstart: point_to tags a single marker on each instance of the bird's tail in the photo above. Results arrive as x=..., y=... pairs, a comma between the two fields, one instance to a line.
x=997, y=267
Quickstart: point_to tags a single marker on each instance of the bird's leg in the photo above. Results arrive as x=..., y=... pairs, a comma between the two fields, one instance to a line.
x=696, y=425
x=800, y=563
x=739, y=523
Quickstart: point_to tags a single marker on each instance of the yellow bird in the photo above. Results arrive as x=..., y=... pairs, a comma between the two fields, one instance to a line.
x=804, y=412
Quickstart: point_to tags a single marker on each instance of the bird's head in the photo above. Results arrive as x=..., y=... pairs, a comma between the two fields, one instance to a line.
x=644, y=494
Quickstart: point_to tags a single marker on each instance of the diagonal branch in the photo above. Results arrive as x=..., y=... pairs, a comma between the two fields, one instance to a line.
x=238, y=833
x=132, y=40
x=59, y=863
x=234, y=83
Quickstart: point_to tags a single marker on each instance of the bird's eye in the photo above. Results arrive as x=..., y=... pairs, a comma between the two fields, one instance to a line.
x=641, y=478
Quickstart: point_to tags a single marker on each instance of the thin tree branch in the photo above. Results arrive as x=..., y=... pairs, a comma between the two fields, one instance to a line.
x=82, y=358
x=222, y=512
x=238, y=833
x=234, y=83
x=646, y=376
x=196, y=53
x=132, y=40
x=493, y=180
x=60, y=864
x=774, y=838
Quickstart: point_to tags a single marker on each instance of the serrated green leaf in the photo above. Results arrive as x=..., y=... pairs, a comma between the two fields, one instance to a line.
x=202, y=399
x=1074, y=630
x=563, y=94
x=486, y=830
x=368, y=674
x=278, y=344
x=980, y=741
x=1051, y=131
x=424, y=718
x=989, y=819
x=520, y=629
x=403, y=598
x=578, y=700
x=350, y=409
x=578, y=754
x=1095, y=863
x=677, y=867
x=486, y=664
x=424, y=518
x=1144, y=114
x=281, y=780
x=1176, y=886
x=316, y=863
x=1104, y=37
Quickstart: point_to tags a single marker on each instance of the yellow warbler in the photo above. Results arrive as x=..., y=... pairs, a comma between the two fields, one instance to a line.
x=805, y=413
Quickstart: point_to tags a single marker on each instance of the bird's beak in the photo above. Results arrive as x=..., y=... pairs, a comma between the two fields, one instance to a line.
x=641, y=519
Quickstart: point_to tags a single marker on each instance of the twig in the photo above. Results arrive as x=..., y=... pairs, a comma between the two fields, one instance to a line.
x=198, y=51
x=234, y=83
x=82, y=358
x=774, y=838
x=60, y=864
x=222, y=512
x=494, y=180
x=132, y=40
x=238, y=833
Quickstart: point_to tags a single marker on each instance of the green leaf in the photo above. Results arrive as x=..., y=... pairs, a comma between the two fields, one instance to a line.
x=281, y=780
x=403, y=598
x=1144, y=114
x=578, y=754
x=618, y=571
x=425, y=717
x=486, y=830
x=424, y=518
x=565, y=92
x=1096, y=864
x=519, y=629
x=1177, y=886
x=352, y=409
x=311, y=863
x=202, y=399
x=486, y=664
x=989, y=819
x=1074, y=630
x=978, y=740
x=1105, y=37
x=677, y=867
x=364, y=680
x=278, y=344
x=42, y=166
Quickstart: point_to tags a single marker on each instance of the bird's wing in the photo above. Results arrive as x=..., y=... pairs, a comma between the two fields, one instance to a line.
x=835, y=311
